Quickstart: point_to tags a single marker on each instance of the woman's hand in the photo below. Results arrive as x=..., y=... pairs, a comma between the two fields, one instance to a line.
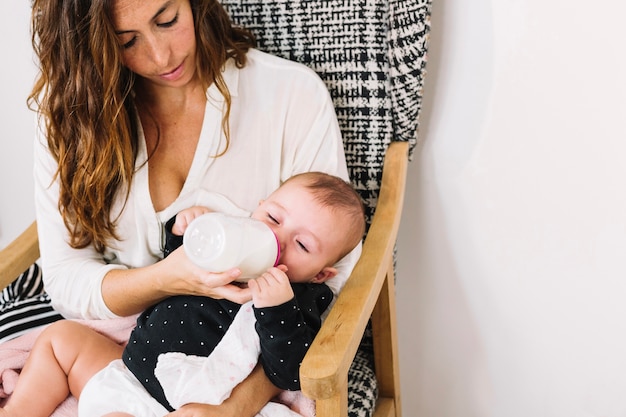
x=130, y=291
x=181, y=276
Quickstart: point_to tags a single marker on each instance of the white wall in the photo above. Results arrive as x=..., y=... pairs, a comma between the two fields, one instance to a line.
x=511, y=254
x=17, y=123
x=513, y=248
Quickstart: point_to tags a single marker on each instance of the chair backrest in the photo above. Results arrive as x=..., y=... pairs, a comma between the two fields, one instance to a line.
x=370, y=53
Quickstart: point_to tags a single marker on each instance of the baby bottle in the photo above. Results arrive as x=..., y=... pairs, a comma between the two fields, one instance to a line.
x=218, y=242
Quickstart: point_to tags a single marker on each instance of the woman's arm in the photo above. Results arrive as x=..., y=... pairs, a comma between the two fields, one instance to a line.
x=85, y=284
x=72, y=276
x=130, y=291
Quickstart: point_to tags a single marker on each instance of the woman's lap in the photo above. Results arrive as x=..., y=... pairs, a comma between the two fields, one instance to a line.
x=24, y=306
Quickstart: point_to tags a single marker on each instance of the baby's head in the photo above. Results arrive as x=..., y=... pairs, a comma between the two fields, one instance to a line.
x=318, y=219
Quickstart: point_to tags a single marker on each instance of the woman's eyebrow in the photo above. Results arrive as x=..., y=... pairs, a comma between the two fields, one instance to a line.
x=162, y=9
x=156, y=15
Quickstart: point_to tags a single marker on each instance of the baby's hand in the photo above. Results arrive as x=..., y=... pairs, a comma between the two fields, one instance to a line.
x=272, y=288
x=184, y=217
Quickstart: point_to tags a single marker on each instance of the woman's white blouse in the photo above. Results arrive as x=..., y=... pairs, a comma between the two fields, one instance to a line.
x=282, y=123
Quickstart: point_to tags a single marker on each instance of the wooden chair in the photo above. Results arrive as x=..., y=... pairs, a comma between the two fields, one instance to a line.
x=369, y=292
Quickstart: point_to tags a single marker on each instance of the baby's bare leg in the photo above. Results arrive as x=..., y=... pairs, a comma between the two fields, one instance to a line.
x=61, y=362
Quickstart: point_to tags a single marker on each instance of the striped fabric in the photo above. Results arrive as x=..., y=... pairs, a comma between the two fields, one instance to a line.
x=24, y=305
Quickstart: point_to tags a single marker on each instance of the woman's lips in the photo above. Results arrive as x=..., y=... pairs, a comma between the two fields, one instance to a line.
x=174, y=74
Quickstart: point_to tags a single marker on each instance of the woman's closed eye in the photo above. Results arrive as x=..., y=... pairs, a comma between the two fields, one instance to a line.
x=129, y=43
x=170, y=23
x=164, y=25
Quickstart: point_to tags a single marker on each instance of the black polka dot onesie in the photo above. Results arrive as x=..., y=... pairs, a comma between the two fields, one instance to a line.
x=195, y=325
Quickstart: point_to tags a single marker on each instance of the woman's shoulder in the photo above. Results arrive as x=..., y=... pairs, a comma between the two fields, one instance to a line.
x=267, y=78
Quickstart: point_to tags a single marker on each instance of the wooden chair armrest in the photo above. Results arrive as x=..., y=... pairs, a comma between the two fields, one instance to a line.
x=18, y=255
x=324, y=370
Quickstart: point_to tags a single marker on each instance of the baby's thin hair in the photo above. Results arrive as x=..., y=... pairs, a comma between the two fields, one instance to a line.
x=338, y=195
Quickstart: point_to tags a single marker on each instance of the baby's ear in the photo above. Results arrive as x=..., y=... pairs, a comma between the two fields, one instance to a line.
x=324, y=275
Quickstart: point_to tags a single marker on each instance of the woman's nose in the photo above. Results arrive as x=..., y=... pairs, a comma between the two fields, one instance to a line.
x=158, y=53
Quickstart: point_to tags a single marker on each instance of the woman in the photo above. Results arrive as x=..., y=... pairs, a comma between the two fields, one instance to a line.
x=145, y=108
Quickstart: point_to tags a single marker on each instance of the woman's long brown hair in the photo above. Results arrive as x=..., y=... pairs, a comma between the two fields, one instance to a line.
x=84, y=95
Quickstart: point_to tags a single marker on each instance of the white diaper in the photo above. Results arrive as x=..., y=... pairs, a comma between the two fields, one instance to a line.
x=115, y=388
